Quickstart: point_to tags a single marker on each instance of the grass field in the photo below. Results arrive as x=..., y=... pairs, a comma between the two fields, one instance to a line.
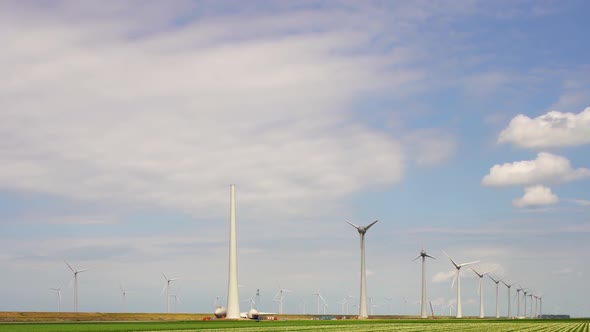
x=409, y=325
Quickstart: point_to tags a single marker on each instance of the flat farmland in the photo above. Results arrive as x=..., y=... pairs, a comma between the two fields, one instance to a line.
x=409, y=325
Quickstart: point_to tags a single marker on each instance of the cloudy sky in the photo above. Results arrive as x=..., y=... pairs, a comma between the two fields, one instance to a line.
x=461, y=126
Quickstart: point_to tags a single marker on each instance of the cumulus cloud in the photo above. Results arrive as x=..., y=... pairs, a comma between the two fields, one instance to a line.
x=546, y=168
x=536, y=196
x=551, y=130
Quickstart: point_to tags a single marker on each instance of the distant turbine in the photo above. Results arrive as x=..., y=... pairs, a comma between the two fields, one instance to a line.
x=480, y=275
x=518, y=289
x=390, y=299
x=176, y=300
x=458, y=279
x=233, y=293
x=58, y=291
x=280, y=297
x=319, y=297
x=363, y=313
x=167, y=288
x=509, y=297
x=541, y=306
x=524, y=292
x=75, y=284
x=423, y=310
x=531, y=297
x=497, y=282
x=124, y=293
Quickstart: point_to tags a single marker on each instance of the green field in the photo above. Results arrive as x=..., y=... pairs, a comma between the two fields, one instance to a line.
x=309, y=325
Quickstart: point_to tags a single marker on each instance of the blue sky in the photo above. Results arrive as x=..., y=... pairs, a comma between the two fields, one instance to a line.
x=462, y=126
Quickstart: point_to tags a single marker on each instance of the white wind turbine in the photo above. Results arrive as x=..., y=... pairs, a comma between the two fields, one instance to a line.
x=167, y=289
x=524, y=292
x=58, y=292
x=124, y=293
x=390, y=299
x=423, y=309
x=75, y=284
x=458, y=279
x=363, y=313
x=480, y=275
x=176, y=300
x=509, y=297
x=497, y=282
x=518, y=290
x=319, y=297
x=280, y=297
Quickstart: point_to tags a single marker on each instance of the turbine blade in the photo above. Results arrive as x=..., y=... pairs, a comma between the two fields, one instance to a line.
x=478, y=274
x=452, y=261
x=71, y=268
x=163, y=289
x=164, y=276
x=83, y=270
x=371, y=224
x=353, y=225
x=416, y=258
x=465, y=264
x=455, y=278
x=427, y=255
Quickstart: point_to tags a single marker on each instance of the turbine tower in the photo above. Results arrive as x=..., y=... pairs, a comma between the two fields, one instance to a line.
x=480, y=275
x=497, y=303
x=75, y=284
x=458, y=279
x=58, y=291
x=423, y=310
x=363, y=313
x=167, y=288
x=508, y=288
x=233, y=294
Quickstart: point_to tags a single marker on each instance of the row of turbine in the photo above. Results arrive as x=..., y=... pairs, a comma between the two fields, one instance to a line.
x=124, y=292
x=481, y=275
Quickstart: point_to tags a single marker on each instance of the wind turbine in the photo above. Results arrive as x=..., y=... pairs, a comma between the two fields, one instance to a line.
x=423, y=310
x=531, y=297
x=58, y=291
x=167, y=289
x=508, y=288
x=541, y=306
x=480, y=275
x=458, y=279
x=518, y=289
x=363, y=313
x=124, y=297
x=319, y=297
x=176, y=300
x=75, y=284
x=497, y=303
x=524, y=292
x=390, y=299
x=281, y=296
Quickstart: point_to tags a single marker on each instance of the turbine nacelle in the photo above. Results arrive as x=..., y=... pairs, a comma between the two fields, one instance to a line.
x=362, y=229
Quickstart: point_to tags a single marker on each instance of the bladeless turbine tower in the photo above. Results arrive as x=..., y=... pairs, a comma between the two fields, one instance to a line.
x=233, y=294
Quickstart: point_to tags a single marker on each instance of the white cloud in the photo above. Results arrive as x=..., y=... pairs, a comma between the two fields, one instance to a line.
x=565, y=270
x=536, y=196
x=159, y=122
x=546, y=168
x=444, y=276
x=551, y=130
x=430, y=147
x=582, y=202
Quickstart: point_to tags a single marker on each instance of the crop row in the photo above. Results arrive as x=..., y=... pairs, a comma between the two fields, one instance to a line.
x=441, y=327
